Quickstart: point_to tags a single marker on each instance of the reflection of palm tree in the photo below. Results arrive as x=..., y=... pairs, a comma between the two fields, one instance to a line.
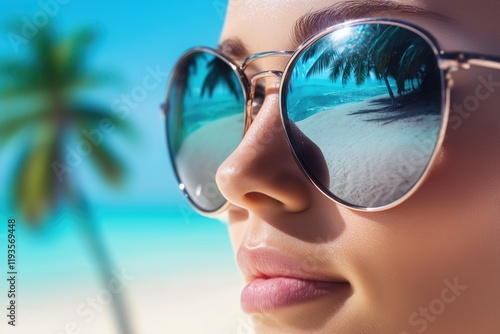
x=44, y=91
x=181, y=89
x=216, y=73
x=220, y=73
x=400, y=54
x=384, y=51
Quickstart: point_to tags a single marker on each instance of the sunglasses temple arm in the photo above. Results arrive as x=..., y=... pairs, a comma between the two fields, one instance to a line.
x=461, y=60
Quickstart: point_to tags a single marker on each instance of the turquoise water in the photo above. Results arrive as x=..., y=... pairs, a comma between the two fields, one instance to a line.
x=311, y=96
x=203, y=102
x=160, y=251
x=168, y=243
x=200, y=113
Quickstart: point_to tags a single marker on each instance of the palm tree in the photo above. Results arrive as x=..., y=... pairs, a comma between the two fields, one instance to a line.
x=401, y=54
x=43, y=104
x=384, y=51
x=214, y=72
x=355, y=59
x=220, y=73
x=180, y=89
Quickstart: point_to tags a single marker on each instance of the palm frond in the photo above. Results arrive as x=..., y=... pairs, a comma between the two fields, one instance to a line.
x=53, y=68
x=45, y=61
x=219, y=73
x=188, y=70
x=91, y=116
x=323, y=63
x=336, y=69
x=361, y=71
x=348, y=70
x=71, y=54
x=34, y=183
x=17, y=70
x=314, y=49
x=93, y=79
x=20, y=79
x=21, y=89
x=12, y=126
x=109, y=165
x=412, y=61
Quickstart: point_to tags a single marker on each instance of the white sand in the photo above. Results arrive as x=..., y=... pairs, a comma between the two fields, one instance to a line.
x=185, y=304
x=204, y=150
x=383, y=175
x=195, y=304
x=371, y=163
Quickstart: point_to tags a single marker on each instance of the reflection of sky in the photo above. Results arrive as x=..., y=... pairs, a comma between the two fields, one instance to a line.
x=135, y=35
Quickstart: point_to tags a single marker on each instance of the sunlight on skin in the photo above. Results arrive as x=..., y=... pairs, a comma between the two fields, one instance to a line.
x=404, y=264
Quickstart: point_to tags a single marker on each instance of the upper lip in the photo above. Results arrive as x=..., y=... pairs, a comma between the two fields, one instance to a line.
x=267, y=262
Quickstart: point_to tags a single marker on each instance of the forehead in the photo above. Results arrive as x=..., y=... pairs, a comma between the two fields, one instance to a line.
x=265, y=25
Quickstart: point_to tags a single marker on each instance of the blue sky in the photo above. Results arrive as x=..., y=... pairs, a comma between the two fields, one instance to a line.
x=147, y=227
x=135, y=36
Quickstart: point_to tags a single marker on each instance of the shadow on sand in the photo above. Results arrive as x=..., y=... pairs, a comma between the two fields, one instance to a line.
x=408, y=106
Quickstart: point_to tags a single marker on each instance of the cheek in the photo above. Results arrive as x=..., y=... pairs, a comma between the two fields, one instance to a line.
x=449, y=228
x=401, y=265
x=463, y=185
x=465, y=180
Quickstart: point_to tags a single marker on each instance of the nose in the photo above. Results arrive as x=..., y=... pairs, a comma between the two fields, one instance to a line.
x=261, y=174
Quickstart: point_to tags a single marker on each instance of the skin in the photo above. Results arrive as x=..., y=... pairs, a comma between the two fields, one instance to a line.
x=396, y=261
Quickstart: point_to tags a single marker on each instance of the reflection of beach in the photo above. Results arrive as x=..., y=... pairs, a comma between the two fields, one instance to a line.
x=203, y=151
x=370, y=157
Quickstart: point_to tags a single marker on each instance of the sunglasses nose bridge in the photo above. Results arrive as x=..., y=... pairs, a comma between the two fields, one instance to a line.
x=253, y=83
x=260, y=75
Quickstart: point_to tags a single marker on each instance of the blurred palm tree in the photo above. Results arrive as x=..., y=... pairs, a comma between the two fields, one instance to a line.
x=45, y=104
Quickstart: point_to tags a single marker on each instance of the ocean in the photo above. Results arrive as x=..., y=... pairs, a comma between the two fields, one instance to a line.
x=157, y=252
x=311, y=96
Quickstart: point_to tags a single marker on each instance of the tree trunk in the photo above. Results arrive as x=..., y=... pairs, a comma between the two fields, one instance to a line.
x=389, y=89
x=105, y=268
x=87, y=225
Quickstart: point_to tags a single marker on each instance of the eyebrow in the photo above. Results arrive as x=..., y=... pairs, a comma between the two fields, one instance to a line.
x=233, y=47
x=313, y=22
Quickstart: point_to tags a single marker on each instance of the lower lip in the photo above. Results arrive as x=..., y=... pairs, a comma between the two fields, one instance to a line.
x=270, y=294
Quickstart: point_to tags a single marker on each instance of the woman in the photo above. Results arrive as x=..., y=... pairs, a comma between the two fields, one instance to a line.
x=372, y=206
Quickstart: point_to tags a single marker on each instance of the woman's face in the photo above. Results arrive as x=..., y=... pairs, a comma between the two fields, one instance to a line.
x=431, y=264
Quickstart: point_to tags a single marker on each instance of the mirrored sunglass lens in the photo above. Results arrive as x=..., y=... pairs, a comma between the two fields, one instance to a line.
x=205, y=123
x=370, y=99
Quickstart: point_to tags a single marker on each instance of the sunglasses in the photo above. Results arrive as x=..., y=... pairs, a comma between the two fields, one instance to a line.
x=364, y=106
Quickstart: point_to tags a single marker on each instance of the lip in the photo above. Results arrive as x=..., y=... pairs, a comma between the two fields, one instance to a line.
x=276, y=280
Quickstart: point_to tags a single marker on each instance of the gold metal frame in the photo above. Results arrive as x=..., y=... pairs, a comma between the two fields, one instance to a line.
x=448, y=62
x=245, y=87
